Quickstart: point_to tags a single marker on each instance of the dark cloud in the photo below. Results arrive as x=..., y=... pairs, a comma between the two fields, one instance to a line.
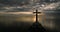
x=28, y=3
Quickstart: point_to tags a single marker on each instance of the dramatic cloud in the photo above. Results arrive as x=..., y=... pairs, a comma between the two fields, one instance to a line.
x=27, y=5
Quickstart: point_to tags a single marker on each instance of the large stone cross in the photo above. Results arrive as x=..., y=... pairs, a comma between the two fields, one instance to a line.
x=37, y=15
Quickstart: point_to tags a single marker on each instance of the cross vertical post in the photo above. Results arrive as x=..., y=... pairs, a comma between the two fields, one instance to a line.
x=36, y=15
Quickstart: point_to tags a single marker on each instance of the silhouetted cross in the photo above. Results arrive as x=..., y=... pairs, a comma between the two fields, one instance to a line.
x=37, y=15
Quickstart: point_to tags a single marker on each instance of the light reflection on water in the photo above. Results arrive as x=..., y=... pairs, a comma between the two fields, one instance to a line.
x=26, y=18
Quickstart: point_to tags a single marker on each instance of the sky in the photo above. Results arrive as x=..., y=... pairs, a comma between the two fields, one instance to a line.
x=27, y=5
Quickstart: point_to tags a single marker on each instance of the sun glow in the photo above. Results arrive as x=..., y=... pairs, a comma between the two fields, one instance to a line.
x=34, y=18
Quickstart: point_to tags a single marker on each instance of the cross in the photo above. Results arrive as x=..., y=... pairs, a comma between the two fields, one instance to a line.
x=37, y=15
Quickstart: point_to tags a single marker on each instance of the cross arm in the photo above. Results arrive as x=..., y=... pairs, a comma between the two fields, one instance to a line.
x=37, y=12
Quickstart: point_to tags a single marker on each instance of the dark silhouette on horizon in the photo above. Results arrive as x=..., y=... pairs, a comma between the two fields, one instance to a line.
x=37, y=27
